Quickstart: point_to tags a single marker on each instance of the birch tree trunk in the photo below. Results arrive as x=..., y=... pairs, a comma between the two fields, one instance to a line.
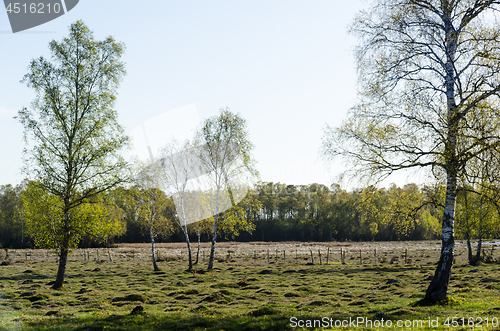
x=212, y=248
x=63, y=253
x=438, y=288
x=153, y=256
x=188, y=246
x=214, y=234
x=469, y=250
x=478, y=252
x=198, y=251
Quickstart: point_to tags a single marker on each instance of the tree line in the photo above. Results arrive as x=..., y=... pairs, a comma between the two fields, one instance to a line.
x=269, y=212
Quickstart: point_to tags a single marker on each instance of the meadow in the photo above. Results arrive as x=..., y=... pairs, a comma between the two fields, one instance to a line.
x=254, y=286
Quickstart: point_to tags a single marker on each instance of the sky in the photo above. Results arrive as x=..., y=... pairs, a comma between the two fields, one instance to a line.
x=287, y=67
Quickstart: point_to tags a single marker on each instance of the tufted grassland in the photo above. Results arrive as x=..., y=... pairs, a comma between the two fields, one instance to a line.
x=244, y=291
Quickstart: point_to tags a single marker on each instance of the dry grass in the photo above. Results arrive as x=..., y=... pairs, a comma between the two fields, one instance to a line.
x=294, y=252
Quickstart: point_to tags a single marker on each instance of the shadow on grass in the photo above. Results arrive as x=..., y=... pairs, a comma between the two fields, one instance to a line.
x=449, y=301
x=30, y=276
x=265, y=318
x=167, y=322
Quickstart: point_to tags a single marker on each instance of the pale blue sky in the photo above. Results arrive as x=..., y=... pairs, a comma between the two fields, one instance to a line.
x=286, y=66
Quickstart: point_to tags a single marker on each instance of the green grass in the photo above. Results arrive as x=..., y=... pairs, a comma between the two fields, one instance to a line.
x=235, y=295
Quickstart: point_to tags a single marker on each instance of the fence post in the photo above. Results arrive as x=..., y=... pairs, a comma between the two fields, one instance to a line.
x=276, y=258
x=341, y=256
x=284, y=256
x=375, y=255
x=360, y=260
x=203, y=255
x=406, y=255
x=268, y=255
x=312, y=257
x=319, y=253
x=97, y=255
x=254, y=256
x=327, y=255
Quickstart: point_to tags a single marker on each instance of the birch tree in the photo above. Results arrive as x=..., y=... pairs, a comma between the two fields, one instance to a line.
x=428, y=71
x=179, y=165
x=72, y=128
x=479, y=203
x=152, y=204
x=471, y=216
x=225, y=155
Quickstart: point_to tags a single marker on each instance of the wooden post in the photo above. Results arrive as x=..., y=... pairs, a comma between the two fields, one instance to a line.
x=97, y=255
x=406, y=255
x=327, y=255
x=203, y=256
x=319, y=253
x=254, y=256
x=276, y=258
x=375, y=255
x=284, y=256
x=228, y=256
x=14, y=255
x=312, y=257
x=111, y=259
x=296, y=259
x=268, y=255
x=341, y=256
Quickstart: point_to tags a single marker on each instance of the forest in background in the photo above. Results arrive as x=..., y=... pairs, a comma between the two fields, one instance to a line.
x=277, y=212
